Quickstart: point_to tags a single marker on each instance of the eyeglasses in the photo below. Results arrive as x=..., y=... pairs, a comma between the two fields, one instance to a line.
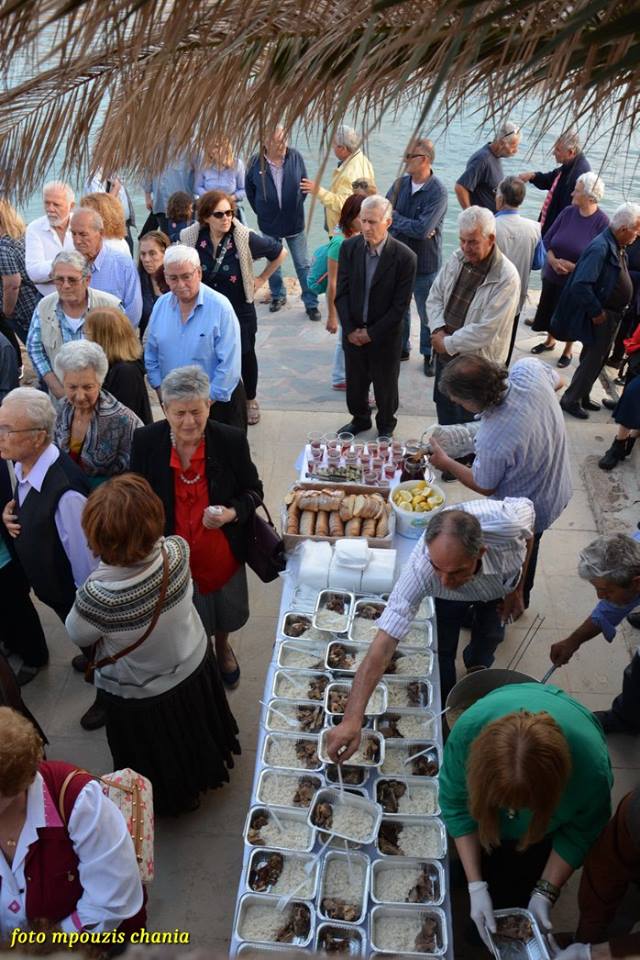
x=72, y=281
x=6, y=431
x=184, y=277
x=414, y=156
x=219, y=214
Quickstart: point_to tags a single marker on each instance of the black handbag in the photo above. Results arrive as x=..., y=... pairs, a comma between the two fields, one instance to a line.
x=265, y=546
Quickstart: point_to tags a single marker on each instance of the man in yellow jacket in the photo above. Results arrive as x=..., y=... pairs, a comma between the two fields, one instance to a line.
x=352, y=165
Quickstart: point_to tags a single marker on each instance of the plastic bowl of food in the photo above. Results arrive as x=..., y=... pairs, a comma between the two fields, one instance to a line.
x=414, y=502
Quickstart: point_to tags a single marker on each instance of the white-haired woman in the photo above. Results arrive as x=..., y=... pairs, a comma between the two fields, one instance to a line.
x=352, y=165
x=195, y=464
x=94, y=428
x=60, y=316
x=570, y=234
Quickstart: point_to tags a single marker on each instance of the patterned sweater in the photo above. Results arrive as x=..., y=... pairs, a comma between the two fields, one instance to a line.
x=115, y=606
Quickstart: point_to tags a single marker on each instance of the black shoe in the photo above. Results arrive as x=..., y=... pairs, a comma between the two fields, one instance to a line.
x=616, y=452
x=575, y=410
x=95, y=717
x=276, y=304
x=26, y=674
x=80, y=663
x=634, y=620
x=542, y=347
x=563, y=361
x=613, y=362
x=611, y=722
x=313, y=313
x=609, y=403
x=589, y=404
x=356, y=426
x=428, y=367
x=405, y=355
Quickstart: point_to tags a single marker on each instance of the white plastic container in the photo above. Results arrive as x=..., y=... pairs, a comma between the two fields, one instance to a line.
x=359, y=806
x=409, y=524
x=379, y=917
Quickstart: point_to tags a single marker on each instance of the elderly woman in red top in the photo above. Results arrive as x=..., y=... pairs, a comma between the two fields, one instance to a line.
x=203, y=473
x=69, y=865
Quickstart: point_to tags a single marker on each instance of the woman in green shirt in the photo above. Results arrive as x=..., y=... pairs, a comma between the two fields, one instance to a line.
x=525, y=789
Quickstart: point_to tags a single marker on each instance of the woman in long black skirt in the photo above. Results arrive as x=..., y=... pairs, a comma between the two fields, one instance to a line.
x=167, y=712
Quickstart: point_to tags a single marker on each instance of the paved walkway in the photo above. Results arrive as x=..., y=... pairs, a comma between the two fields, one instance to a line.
x=198, y=856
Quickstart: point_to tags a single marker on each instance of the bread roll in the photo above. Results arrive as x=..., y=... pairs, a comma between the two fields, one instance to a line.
x=382, y=525
x=293, y=517
x=346, y=507
x=369, y=528
x=322, y=523
x=336, y=526
x=307, y=523
x=353, y=527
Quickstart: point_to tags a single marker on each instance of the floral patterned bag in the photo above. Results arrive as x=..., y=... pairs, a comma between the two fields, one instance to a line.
x=133, y=796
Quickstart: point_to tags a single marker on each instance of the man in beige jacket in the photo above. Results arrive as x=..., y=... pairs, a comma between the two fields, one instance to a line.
x=352, y=165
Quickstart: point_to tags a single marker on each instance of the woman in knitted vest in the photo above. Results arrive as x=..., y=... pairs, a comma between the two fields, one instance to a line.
x=227, y=250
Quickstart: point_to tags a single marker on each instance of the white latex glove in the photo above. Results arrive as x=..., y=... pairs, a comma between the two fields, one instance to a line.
x=577, y=951
x=540, y=907
x=482, y=909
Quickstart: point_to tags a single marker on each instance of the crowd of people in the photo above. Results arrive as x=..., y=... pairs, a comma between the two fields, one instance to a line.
x=136, y=533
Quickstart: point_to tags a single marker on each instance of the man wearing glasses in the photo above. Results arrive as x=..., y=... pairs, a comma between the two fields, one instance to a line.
x=60, y=316
x=192, y=324
x=478, y=184
x=419, y=201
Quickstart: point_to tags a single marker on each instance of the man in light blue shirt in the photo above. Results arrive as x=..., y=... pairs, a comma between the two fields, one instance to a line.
x=520, y=444
x=111, y=271
x=612, y=567
x=193, y=324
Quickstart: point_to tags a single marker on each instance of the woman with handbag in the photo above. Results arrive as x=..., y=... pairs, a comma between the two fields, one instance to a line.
x=167, y=715
x=203, y=473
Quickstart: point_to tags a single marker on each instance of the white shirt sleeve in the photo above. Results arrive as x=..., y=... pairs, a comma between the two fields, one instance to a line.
x=68, y=518
x=407, y=595
x=37, y=261
x=108, y=870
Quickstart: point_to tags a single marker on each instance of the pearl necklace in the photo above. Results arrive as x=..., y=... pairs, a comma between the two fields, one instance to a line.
x=184, y=479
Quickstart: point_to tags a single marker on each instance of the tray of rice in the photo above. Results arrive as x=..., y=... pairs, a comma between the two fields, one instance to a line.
x=340, y=938
x=420, y=635
x=370, y=753
x=517, y=936
x=408, y=929
x=338, y=692
x=279, y=828
x=345, y=815
x=412, y=837
x=300, y=685
x=408, y=662
x=344, y=882
x=291, y=751
x=351, y=776
x=278, y=874
x=426, y=610
x=345, y=657
x=259, y=920
x=333, y=611
x=364, y=624
x=256, y=951
x=408, y=796
x=406, y=725
x=411, y=758
x=298, y=655
x=407, y=880
x=408, y=693
x=299, y=626
x=306, y=716
x=285, y=789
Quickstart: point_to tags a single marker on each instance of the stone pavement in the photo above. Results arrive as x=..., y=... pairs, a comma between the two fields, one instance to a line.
x=198, y=856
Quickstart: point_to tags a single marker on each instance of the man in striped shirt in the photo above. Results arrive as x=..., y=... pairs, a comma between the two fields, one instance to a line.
x=473, y=555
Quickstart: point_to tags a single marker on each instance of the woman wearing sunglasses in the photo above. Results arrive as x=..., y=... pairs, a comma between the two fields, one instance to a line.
x=227, y=250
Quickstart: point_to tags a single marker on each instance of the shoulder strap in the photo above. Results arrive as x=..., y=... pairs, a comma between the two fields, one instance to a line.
x=156, y=614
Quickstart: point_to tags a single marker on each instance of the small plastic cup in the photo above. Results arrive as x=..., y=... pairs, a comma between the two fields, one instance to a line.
x=377, y=465
x=365, y=458
x=333, y=457
x=396, y=446
x=351, y=458
x=389, y=470
x=383, y=446
x=357, y=446
x=314, y=439
x=370, y=478
x=317, y=453
x=331, y=441
x=372, y=447
x=346, y=439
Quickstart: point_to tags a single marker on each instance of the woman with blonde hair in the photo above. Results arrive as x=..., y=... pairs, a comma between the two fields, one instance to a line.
x=19, y=294
x=112, y=330
x=525, y=789
x=115, y=225
x=222, y=171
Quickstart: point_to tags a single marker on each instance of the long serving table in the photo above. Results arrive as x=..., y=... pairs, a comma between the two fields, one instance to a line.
x=245, y=947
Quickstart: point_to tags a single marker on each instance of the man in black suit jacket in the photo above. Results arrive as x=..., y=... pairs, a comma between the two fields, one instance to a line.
x=375, y=283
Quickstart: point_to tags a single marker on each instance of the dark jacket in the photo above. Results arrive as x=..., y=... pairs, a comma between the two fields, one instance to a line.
x=390, y=293
x=587, y=290
x=273, y=219
x=6, y=494
x=125, y=381
x=569, y=173
x=418, y=219
x=230, y=473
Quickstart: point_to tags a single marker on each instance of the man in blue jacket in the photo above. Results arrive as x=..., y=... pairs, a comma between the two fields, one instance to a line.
x=560, y=182
x=419, y=201
x=593, y=302
x=273, y=189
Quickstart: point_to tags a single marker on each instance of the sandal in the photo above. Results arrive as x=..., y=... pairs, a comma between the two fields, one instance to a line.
x=253, y=412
